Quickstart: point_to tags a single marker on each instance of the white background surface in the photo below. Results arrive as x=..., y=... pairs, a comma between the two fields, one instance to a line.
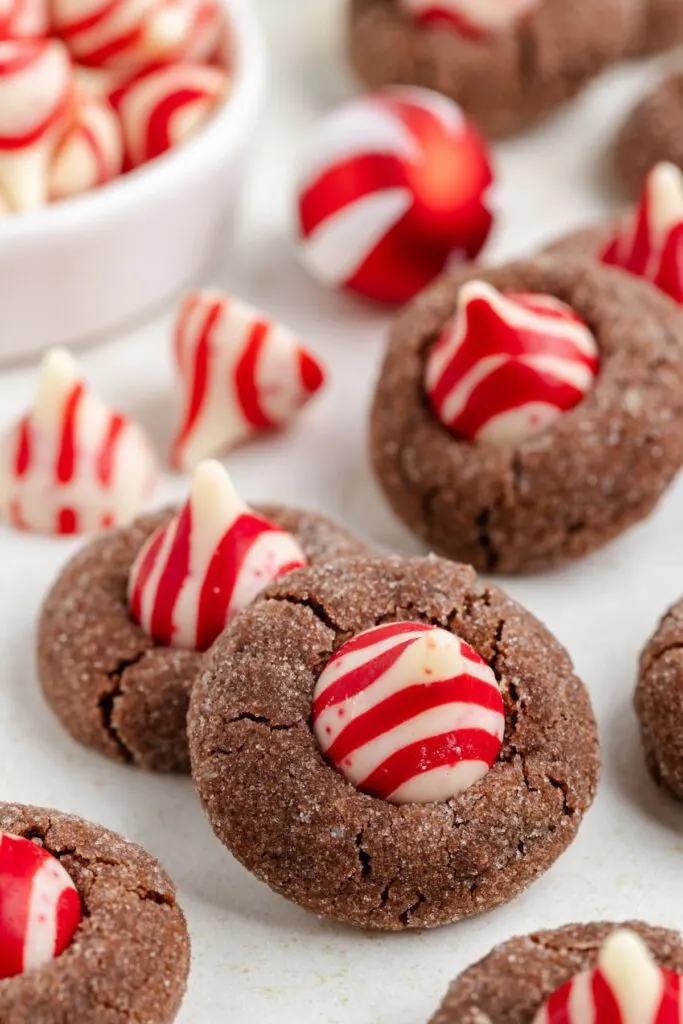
x=255, y=957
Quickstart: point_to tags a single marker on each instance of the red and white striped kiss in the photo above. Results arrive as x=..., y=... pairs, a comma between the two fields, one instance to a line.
x=71, y=464
x=394, y=187
x=195, y=574
x=40, y=908
x=240, y=374
x=652, y=247
x=627, y=987
x=90, y=152
x=23, y=19
x=506, y=366
x=161, y=107
x=474, y=19
x=130, y=34
x=35, y=88
x=409, y=713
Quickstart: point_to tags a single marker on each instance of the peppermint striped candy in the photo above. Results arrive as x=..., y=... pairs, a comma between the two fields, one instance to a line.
x=161, y=107
x=506, y=366
x=90, y=152
x=35, y=88
x=71, y=465
x=652, y=247
x=626, y=988
x=474, y=19
x=240, y=372
x=409, y=713
x=40, y=908
x=195, y=574
x=23, y=19
x=394, y=187
x=130, y=34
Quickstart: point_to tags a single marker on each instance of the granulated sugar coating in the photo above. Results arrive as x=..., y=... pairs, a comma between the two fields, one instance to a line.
x=512, y=983
x=653, y=131
x=110, y=686
x=299, y=826
x=659, y=701
x=564, y=492
x=130, y=957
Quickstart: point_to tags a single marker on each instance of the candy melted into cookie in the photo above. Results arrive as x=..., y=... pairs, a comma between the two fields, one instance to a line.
x=652, y=245
x=240, y=372
x=40, y=908
x=474, y=19
x=209, y=562
x=507, y=365
x=627, y=987
x=71, y=464
x=409, y=713
x=394, y=185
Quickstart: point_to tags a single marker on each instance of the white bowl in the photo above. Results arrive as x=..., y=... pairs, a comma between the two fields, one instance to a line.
x=79, y=268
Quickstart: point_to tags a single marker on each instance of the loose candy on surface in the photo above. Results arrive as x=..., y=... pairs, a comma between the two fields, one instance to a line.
x=394, y=186
x=507, y=365
x=36, y=80
x=90, y=152
x=71, y=464
x=652, y=245
x=163, y=106
x=240, y=372
x=409, y=713
x=23, y=19
x=199, y=571
x=627, y=987
x=40, y=908
x=473, y=19
x=131, y=34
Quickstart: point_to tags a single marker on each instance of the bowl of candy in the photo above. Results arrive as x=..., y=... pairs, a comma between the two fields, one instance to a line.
x=124, y=130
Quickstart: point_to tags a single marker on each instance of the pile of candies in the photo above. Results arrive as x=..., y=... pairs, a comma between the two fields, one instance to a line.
x=91, y=89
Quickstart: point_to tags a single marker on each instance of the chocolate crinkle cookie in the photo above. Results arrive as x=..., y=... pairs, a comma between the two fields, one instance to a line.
x=302, y=761
x=526, y=415
x=111, y=686
x=662, y=28
x=129, y=959
x=507, y=70
x=659, y=701
x=513, y=983
x=653, y=131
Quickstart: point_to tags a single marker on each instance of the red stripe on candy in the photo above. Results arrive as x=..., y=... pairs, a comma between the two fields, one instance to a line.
x=670, y=1007
x=606, y=1007
x=171, y=581
x=358, y=679
x=157, y=138
x=144, y=573
x=24, y=452
x=379, y=634
x=346, y=183
x=201, y=370
x=66, y=457
x=246, y=387
x=105, y=457
x=67, y=522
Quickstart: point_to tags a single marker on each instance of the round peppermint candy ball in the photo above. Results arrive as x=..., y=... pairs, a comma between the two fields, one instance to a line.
x=40, y=908
x=394, y=186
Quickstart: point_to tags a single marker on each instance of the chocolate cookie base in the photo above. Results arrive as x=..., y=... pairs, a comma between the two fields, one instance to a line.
x=663, y=28
x=566, y=491
x=659, y=701
x=512, y=983
x=108, y=683
x=653, y=132
x=507, y=83
x=130, y=957
x=298, y=825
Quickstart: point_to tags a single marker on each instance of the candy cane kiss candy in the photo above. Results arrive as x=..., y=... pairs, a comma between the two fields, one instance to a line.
x=90, y=152
x=474, y=19
x=40, y=908
x=240, y=372
x=409, y=713
x=23, y=19
x=71, y=464
x=394, y=186
x=627, y=987
x=35, y=89
x=201, y=569
x=508, y=365
x=652, y=244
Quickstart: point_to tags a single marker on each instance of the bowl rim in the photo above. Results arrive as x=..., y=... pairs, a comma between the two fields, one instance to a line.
x=226, y=132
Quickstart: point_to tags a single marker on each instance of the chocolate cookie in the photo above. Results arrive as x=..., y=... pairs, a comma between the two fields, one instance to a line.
x=653, y=131
x=511, y=984
x=108, y=683
x=569, y=489
x=663, y=27
x=295, y=821
x=130, y=957
x=659, y=701
x=507, y=81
